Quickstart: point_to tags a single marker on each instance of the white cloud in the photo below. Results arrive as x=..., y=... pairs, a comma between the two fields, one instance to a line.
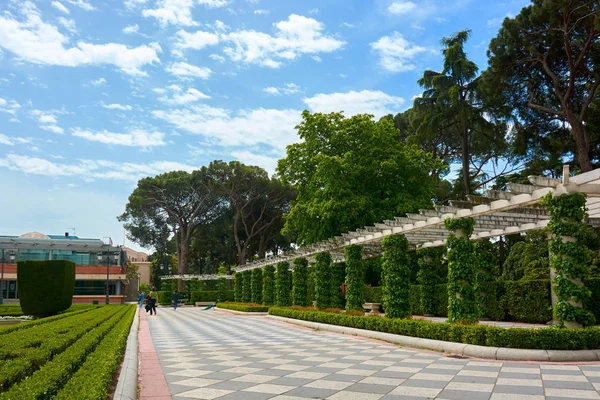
x=372, y=102
x=60, y=7
x=116, y=106
x=82, y=4
x=68, y=24
x=261, y=12
x=316, y=58
x=9, y=106
x=98, y=82
x=47, y=121
x=179, y=97
x=289, y=88
x=348, y=25
x=131, y=29
x=11, y=140
x=313, y=11
x=396, y=53
x=246, y=127
x=196, y=40
x=294, y=37
x=186, y=71
x=179, y=12
x=38, y=42
x=134, y=4
x=217, y=57
x=135, y=138
x=90, y=169
x=401, y=7
x=249, y=158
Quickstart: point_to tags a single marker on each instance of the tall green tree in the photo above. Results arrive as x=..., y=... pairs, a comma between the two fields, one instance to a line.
x=545, y=64
x=452, y=115
x=173, y=204
x=351, y=172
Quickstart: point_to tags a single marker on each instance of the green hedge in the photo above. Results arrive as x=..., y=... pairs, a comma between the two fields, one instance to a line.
x=482, y=335
x=45, y=287
x=299, y=285
x=322, y=279
x=283, y=284
x=268, y=285
x=355, y=294
x=256, y=286
x=212, y=295
x=396, y=277
x=164, y=298
x=247, y=286
x=238, y=286
x=244, y=307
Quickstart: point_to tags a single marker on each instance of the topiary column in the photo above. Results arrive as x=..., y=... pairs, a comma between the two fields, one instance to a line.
x=322, y=276
x=462, y=272
x=569, y=258
x=247, y=286
x=238, y=287
x=268, y=285
x=485, y=260
x=355, y=280
x=256, y=286
x=338, y=277
x=300, y=284
x=283, y=284
x=430, y=259
x=396, y=277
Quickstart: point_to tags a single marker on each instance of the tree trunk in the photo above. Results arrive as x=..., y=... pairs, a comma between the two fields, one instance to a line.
x=465, y=161
x=582, y=142
x=262, y=246
x=182, y=262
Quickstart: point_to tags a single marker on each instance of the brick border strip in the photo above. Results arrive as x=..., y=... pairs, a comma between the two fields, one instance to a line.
x=467, y=350
x=128, y=377
x=152, y=382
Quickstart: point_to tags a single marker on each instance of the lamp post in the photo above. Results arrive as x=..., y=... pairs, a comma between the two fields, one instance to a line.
x=11, y=257
x=107, y=273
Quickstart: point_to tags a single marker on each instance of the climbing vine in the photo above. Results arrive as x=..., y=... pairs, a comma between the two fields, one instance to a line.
x=396, y=277
x=300, y=279
x=283, y=283
x=485, y=262
x=323, y=280
x=247, y=286
x=430, y=259
x=256, y=286
x=269, y=285
x=569, y=256
x=462, y=272
x=338, y=277
x=238, y=285
x=355, y=292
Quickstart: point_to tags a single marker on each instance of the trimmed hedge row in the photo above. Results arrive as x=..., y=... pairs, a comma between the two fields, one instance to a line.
x=482, y=335
x=14, y=310
x=51, y=377
x=212, y=295
x=244, y=307
x=26, y=325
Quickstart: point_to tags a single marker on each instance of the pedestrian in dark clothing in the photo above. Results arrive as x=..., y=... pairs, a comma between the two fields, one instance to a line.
x=175, y=300
x=152, y=304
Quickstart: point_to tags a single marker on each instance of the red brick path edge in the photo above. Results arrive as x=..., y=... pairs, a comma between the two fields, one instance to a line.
x=151, y=380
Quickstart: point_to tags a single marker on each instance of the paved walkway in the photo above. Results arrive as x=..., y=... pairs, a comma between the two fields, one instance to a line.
x=216, y=355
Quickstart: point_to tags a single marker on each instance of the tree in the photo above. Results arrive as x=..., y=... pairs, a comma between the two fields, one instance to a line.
x=545, y=64
x=452, y=116
x=349, y=173
x=176, y=203
x=256, y=201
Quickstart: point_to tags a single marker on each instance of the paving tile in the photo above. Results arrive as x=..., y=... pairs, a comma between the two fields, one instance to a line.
x=325, y=384
x=268, y=388
x=572, y=393
x=371, y=388
x=311, y=393
x=415, y=391
x=347, y=395
x=515, y=389
x=463, y=395
x=205, y=394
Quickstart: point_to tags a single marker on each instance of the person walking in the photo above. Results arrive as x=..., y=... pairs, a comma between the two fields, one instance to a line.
x=141, y=298
x=175, y=300
x=152, y=304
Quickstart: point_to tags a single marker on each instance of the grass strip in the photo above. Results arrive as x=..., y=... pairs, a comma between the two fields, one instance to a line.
x=93, y=380
x=48, y=380
x=244, y=307
x=24, y=354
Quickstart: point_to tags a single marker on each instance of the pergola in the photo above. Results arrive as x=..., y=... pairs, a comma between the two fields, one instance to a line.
x=498, y=213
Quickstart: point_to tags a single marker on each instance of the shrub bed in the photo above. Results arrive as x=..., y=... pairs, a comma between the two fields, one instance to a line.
x=482, y=335
x=244, y=307
x=42, y=350
x=14, y=310
x=11, y=328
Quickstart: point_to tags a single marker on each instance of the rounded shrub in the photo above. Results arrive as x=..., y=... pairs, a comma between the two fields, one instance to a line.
x=45, y=287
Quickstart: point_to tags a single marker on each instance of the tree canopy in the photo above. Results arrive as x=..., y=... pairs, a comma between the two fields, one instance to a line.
x=351, y=172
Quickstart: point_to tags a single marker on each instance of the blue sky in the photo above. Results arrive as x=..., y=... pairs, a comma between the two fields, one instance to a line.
x=95, y=94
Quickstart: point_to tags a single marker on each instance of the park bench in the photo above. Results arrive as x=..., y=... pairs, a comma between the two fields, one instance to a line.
x=373, y=307
x=203, y=303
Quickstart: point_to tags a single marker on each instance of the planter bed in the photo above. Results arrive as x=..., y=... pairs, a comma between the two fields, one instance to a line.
x=39, y=361
x=480, y=335
x=244, y=307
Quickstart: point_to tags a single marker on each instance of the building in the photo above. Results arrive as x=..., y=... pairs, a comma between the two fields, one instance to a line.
x=140, y=259
x=94, y=259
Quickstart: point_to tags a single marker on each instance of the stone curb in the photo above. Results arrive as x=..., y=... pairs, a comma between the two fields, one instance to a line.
x=467, y=350
x=128, y=378
x=241, y=312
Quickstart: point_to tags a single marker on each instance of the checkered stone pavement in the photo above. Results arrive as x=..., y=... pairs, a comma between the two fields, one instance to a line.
x=214, y=355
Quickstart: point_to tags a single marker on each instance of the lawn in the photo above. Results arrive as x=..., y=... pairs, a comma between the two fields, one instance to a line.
x=67, y=356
